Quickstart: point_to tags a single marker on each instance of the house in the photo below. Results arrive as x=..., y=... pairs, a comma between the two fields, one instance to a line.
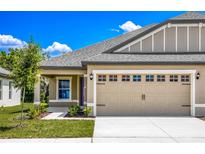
x=157, y=70
x=9, y=96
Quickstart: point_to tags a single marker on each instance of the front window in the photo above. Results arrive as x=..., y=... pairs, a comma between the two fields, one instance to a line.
x=185, y=78
x=64, y=89
x=149, y=78
x=112, y=77
x=1, y=89
x=125, y=77
x=137, y=78
x=160, y=78
x=10, y=89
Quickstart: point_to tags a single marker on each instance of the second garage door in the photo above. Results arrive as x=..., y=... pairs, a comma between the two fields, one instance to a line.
x=143, y=95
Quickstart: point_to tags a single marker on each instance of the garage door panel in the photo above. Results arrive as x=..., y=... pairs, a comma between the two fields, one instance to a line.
x=120, y=104
x=126, y=98
x=167, y=106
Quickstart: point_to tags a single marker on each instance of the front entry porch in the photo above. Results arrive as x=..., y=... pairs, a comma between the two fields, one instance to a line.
x=65, y=90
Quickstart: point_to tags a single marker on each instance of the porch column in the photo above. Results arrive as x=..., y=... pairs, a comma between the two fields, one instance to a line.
x=37, y=92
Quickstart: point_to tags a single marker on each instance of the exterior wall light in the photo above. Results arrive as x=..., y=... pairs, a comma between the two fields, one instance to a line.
x=91, y=76
x=197, y=76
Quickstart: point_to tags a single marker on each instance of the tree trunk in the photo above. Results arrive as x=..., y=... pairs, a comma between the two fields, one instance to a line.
x=22, y=105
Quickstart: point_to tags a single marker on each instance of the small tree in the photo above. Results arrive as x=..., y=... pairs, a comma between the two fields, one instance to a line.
x=26, y=69
x=7, y=59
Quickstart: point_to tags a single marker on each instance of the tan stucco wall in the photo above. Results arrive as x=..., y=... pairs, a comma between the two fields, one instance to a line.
x=200, y=84
x=62, y=72
x=52, y=87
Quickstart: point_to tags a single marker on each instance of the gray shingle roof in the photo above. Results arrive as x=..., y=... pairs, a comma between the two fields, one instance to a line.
x=192, y=15
x=73, y=59
x=147, y=58
x=4, y=72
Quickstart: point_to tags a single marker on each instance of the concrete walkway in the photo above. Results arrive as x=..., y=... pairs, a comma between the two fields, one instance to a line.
x=61, y=116
x=149, y=129
x=46, y=140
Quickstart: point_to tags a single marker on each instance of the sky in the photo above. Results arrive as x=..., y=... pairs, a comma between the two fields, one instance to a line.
x=60, y=32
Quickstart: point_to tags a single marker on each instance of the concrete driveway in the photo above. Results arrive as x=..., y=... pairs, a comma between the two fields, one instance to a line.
x=149, y=129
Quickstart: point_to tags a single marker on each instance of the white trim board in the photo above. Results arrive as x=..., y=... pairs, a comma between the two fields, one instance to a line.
x=199, y=105
x=191, y=72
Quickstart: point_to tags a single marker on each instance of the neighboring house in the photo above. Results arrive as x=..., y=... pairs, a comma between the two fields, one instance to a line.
x=158, y=70
x=9, y=96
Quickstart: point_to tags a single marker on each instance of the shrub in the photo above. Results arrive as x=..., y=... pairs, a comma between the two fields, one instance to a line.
x=33, y=113
x=2, y=108
x=43, y=107
x=74, y=110
x=87, y=110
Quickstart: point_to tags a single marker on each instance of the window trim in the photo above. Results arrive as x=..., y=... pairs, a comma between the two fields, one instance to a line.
x=149, y=79
x=10, y=90
x=57, y=89
x=137, y=78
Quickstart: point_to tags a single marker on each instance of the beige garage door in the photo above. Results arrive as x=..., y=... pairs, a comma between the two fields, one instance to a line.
x=162, y=97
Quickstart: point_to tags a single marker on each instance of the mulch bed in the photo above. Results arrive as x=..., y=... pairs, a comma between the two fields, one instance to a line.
x=78, y=116
x=44, y=114
x=202, y=118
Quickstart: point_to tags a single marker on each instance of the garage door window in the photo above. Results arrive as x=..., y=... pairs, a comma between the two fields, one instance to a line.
x=101, y=77
x=112, y=78
x=137, y=78
x=173, y=78
x=160, y=78
x=125, y=77
x=185, y=78
x=149, y=78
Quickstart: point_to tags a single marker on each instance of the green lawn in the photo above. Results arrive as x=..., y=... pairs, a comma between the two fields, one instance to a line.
x=41, y=128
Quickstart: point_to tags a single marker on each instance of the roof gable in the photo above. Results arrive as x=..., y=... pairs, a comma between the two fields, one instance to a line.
x=75, y=58
x=162, y=37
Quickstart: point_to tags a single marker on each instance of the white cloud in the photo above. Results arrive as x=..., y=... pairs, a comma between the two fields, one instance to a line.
x=8, y=41
x=114, y=30
x=57, y=47
x=129, y=26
